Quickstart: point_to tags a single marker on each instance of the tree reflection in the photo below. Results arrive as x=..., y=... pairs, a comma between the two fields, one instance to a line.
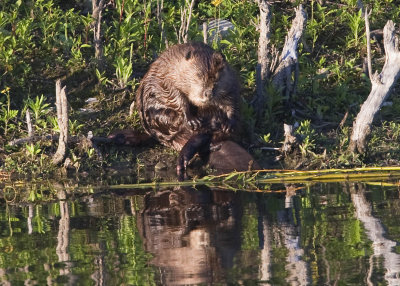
x=381, y=245
x=63, y=237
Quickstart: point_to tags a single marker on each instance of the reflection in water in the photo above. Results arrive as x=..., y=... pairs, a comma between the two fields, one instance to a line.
x=192, y=234
x=381, y=245
x=176, y=236
x=296, y=267
x=63, y=237
x=288, y=234
x=265, y=265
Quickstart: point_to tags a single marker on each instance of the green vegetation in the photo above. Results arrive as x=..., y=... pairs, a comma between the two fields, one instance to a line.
x=41, y=41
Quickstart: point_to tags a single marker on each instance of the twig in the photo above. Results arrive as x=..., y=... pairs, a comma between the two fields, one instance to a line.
x=368, y=35
x=186, y=16
x=341, y=124
x=205, y=36
x=29, y=123
x=160, y=7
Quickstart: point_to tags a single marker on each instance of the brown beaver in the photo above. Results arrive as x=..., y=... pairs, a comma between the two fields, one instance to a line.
x=188, y=100
x=190, y=89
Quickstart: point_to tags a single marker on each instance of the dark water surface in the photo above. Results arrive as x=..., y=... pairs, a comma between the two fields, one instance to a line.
x=319, y=234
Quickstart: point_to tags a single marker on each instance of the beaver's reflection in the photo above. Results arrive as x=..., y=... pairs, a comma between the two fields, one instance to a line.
x=191, y=233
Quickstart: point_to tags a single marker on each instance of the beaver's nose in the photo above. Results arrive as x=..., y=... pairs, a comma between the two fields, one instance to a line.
x=208, y=93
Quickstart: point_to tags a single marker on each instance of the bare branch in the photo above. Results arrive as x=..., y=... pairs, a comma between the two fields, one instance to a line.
x=205, y=32
x=381, y=86
x=288, y=57
x=186, y=17
x=368, y=35
x=160, y=7
x=29, y=123
x=185, y=39
x=72, y=139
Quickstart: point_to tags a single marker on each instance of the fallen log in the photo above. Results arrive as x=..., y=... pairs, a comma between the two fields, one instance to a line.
x=55, y=137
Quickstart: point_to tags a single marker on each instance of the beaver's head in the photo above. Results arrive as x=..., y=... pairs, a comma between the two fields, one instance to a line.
x=203, y=75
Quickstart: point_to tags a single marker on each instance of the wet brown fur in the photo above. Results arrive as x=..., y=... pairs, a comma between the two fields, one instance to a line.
x=189, y=89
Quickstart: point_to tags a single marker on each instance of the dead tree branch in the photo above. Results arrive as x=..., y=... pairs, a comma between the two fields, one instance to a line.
x=160, y=7
x=29, y=123
x=368, y=35
x=98, y=6
x=282, y=78
x=205, y=36
x=286, y=66
x=263, y=52
x=186, y=17
x=62, y=118
x=381, y=86
x=71, y=139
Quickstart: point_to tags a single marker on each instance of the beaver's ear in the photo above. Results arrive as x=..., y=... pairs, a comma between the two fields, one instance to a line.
x=218, y=60
x=188, y=55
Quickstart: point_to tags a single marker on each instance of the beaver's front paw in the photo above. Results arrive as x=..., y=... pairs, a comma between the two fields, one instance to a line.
x=198, y=143
x=226, y=127
x=194, y=122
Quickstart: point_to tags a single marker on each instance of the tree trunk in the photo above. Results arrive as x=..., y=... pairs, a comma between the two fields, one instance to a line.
x=98, y=7
x=381, y=85
x=282, y=78
x=290, y=139
x=62, y=118
x=287, y=63
x=263, y=62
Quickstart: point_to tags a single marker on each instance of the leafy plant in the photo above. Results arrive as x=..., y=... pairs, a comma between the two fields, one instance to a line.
x=355, y=24
x=33, y=150
x=102, y=78
x=74, y=127
x=308, y=135
x=39, y=107
x=123, y=71
x=7, y=114
x=266, y=138
x=54, y=124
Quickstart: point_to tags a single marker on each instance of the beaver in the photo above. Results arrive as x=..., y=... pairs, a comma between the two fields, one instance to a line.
x=190, y=89
x=188, y=100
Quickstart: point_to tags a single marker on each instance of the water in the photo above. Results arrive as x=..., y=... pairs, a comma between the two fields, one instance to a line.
x=316, y=234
